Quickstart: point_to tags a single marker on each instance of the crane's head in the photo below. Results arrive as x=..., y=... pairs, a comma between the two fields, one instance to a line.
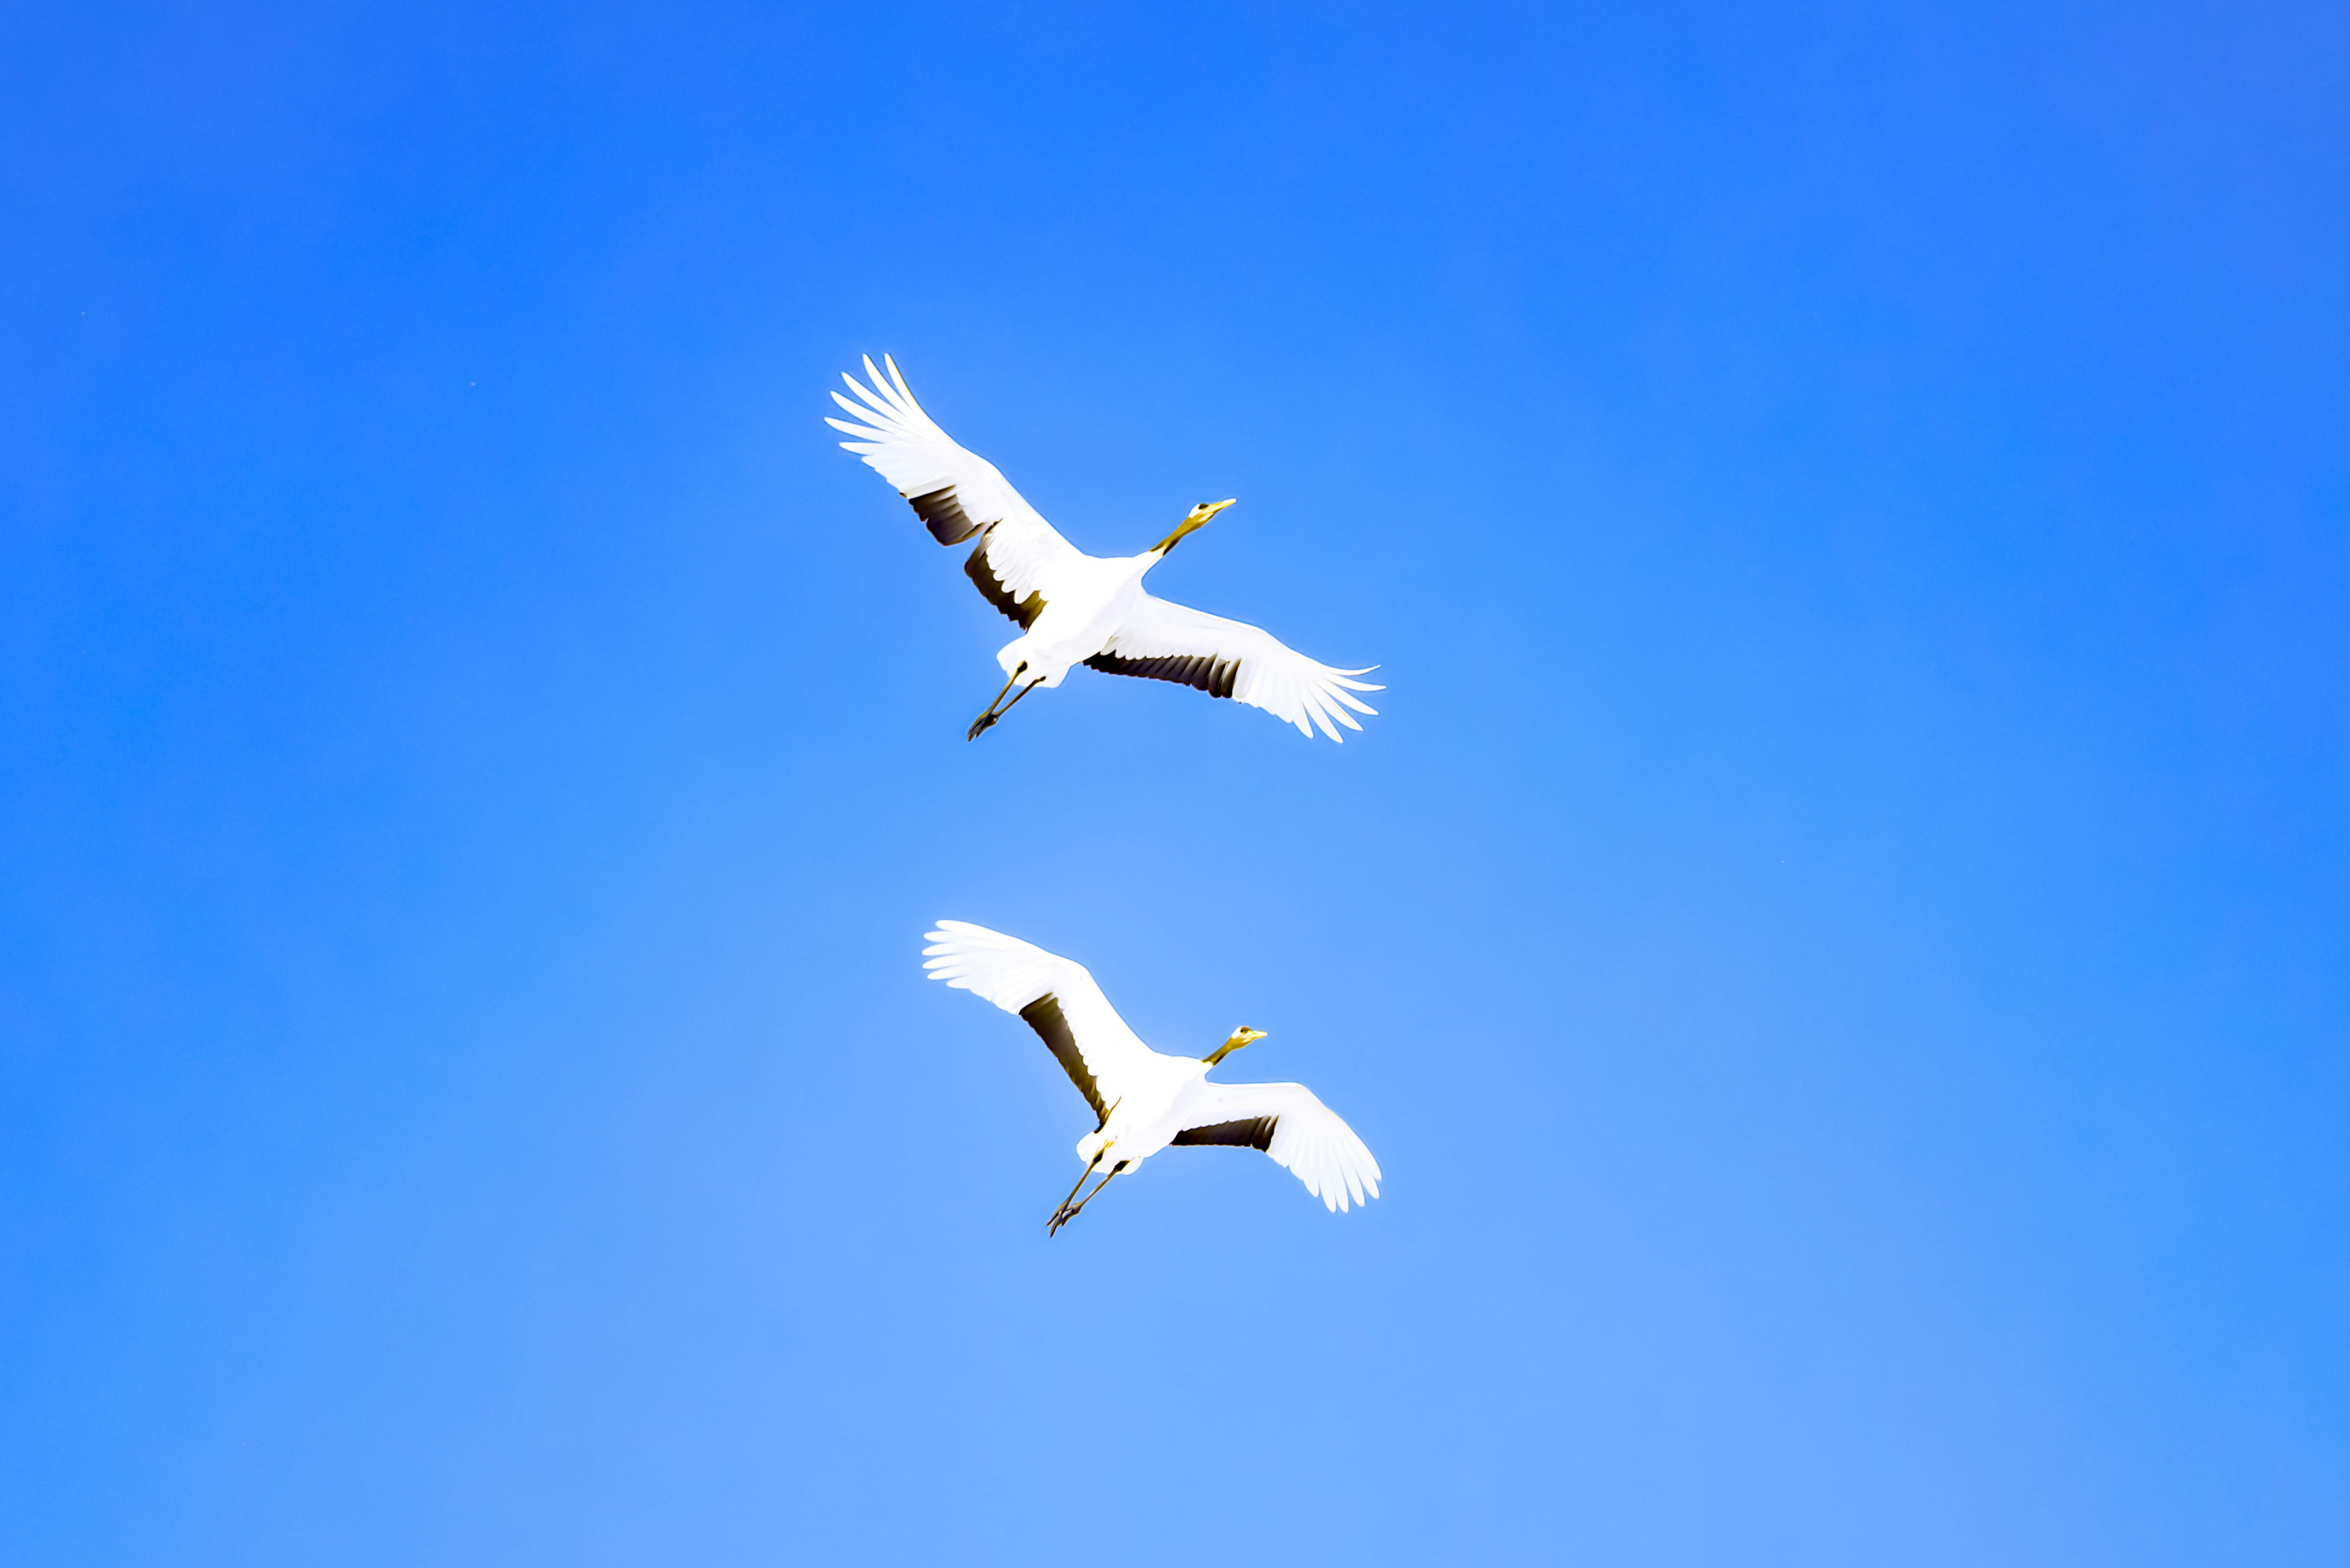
x=1199, y=515
x=1242, y=1037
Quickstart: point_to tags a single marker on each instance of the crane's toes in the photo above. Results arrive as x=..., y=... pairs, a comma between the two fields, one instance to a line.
x=980, y=726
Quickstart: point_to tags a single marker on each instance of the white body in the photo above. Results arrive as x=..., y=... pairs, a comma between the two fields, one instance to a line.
x=1086, y=599
x=1147, y=1099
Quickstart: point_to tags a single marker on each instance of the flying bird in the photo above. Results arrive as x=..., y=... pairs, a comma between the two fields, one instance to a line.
x=1145, y=1099
x=1074, y=609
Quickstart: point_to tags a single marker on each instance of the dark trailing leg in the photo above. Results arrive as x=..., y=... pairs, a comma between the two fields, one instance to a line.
x=1068, y=1213
x=1055, y=1223
x=987, y=721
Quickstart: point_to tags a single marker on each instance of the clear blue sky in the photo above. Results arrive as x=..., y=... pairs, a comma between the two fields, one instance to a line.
x=1840, y=935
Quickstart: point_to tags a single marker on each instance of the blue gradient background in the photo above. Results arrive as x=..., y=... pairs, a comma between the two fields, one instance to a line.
x=1840, y=935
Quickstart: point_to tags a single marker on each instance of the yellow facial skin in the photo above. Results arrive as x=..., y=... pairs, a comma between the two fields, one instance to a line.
x=1242, y=1037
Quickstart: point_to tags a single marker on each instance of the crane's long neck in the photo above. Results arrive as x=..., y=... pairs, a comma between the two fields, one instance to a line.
x=1240, y=1037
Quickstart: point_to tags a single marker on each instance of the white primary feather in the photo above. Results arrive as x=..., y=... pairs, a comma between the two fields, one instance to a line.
x=905, y=446
x=1311, y=1140
x=1012, y=974
x=1271, y=675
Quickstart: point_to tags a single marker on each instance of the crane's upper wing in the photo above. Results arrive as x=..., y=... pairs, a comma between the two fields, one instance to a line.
x=1299, y=1131
x=956, y=492
x=1167, y=641
x=1053, y=995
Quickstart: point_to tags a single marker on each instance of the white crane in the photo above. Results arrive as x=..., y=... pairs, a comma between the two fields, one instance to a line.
x=1145, y=1099
x=1076, y=608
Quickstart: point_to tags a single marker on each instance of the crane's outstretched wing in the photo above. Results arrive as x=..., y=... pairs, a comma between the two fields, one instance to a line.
x=1052, y=995
x=1167, y=641
x=1299, y=1131
x=956, y=492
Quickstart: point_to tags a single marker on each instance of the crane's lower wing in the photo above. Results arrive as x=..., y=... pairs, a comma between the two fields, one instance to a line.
x=955, y=492
x=1297, y=1130
x=1163, y=640
x=1052, y=995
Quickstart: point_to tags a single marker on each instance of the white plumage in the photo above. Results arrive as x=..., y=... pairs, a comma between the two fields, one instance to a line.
x=1074, y=609
x=1147, y=1100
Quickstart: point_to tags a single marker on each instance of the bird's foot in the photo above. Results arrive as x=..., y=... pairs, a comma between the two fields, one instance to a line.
x=982, y=724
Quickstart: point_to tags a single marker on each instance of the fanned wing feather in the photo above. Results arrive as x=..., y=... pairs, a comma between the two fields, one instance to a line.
x=1023, y=979
x=1306, y=1137
x=1167, y=641
x=956, y=491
